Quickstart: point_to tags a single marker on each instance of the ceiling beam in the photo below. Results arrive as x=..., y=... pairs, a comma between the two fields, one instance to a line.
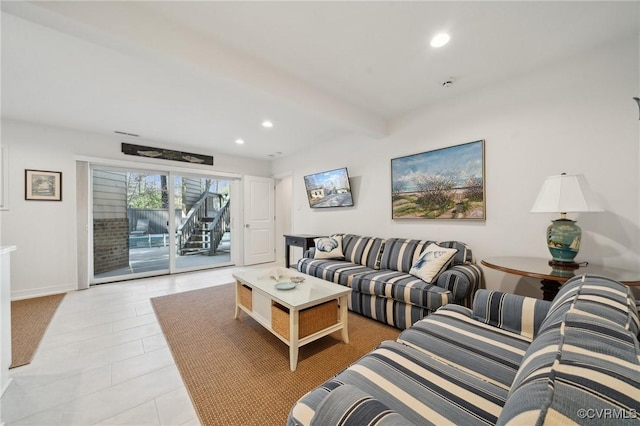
x=131, y=29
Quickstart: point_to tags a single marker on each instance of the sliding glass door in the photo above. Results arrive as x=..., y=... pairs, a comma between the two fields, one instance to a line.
x=203, y=219
x=130, y=224
x=153, y=223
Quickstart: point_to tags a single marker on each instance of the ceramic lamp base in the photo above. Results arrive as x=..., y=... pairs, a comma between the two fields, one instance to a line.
x=563, y=240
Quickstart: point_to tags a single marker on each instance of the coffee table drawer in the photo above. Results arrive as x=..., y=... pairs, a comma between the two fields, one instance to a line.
x=311, y=320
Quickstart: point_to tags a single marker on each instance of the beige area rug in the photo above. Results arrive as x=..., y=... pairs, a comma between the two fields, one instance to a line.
x=29, y=320
x=237, y=372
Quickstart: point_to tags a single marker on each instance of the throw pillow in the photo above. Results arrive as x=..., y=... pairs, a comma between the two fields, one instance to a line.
x=432, y=262
x=329, y=247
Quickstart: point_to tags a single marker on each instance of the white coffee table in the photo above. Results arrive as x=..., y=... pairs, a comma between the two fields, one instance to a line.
x=309, y=308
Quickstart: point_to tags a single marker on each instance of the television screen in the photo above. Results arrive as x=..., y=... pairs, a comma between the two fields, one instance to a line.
x=329, y=189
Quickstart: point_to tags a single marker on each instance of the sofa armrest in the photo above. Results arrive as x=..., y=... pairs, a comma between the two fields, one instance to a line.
x=511, y=312
x=349, y=405
x=309, y=254
x=462, y=281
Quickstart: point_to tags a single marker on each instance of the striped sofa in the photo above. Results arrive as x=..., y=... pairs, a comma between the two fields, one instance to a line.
x=377, y=270
x=510, y=360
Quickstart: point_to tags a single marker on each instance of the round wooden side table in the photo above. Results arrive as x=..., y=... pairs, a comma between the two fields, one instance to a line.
x=553, y=278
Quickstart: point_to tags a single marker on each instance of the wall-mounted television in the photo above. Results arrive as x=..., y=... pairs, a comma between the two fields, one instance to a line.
x=329, y=189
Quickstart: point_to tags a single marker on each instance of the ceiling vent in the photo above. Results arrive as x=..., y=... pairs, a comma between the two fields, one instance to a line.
x=126, y=134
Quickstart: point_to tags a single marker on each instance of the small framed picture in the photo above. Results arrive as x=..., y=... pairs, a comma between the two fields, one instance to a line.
x=42, y=185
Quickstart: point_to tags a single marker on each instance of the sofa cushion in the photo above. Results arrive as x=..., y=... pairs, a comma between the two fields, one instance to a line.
x=397, y=314
x=328, y=248
x=595, y=295
x=518, y=314
x=464, y=254
x=337, y=271
x=462, y=281
x=421, y=389
x=575, y=372
x=432, y=262
x=348, y=406
x=362, y=250
x=402, y=287
x=400, y=254
x=454, y=336
x=585, y=357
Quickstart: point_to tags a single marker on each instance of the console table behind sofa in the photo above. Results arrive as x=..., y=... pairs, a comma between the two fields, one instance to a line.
x=300, y=240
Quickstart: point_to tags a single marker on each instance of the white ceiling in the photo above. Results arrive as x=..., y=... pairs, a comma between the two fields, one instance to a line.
x=199, y=75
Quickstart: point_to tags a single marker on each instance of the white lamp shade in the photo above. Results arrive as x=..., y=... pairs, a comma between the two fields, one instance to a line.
x=566, y=193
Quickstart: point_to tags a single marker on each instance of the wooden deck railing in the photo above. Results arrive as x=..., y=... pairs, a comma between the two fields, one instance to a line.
x=221, y=224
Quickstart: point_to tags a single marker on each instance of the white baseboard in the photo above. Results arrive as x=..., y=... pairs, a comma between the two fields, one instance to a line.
x=42, y=291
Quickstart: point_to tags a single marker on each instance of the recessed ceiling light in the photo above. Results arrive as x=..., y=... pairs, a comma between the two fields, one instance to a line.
x=268, y=124
x=239, y=141
x=440, y=40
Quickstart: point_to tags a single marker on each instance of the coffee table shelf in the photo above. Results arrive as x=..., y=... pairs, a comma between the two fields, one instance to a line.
x=312, y=310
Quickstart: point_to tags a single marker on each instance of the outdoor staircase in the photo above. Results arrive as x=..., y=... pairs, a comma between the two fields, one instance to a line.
x=205, y=226
x=199, y=241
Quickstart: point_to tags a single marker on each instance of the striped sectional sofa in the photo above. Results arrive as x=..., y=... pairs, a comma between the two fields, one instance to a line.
x=510, y=360
x=377, y=270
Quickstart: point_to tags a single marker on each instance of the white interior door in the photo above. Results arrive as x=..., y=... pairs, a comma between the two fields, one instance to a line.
x=259, y=220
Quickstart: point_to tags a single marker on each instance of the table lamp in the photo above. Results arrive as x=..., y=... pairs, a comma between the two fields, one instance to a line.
x=563, y=194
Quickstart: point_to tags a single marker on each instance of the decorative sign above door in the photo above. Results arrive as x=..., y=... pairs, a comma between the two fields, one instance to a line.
x=166, y=154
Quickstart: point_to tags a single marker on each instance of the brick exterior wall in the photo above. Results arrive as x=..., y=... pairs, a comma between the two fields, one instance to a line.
x=110, y=244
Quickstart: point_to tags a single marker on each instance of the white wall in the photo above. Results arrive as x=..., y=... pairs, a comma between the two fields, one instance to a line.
x=45, y=233
x=575, y=116
x=283, y=213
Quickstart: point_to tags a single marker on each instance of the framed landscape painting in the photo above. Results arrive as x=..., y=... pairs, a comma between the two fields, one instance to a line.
x=446, y=183
x=42, y=185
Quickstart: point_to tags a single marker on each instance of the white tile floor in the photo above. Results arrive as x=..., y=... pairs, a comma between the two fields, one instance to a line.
x=104, y=360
